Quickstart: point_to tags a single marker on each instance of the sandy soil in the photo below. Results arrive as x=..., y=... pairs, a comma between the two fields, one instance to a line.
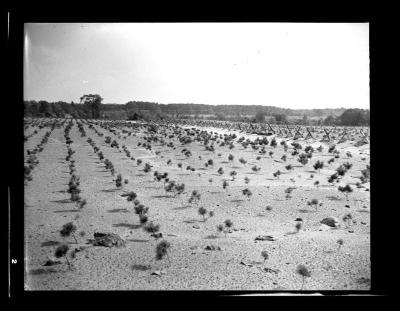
x=239, y=264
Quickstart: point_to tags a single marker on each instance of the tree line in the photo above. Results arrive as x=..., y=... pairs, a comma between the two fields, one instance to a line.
x=91, y=106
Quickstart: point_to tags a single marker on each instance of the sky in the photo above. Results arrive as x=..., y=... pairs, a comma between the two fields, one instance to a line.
x=288, y=65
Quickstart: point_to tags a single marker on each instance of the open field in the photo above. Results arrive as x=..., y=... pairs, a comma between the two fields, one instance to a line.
x=200, y=256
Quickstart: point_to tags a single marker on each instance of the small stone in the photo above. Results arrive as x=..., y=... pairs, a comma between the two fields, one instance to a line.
x=157, y=235
x=212, y=248
x=330, y=221
x=348, y=206
x=269, y=270
x=196, y=226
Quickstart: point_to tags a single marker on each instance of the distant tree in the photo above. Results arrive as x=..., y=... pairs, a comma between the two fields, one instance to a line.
x=354, y=117
x=93, y=104
x=45, y=108
x=260, y=116
x=280, y=118
x=305, y=121
x=329, y=120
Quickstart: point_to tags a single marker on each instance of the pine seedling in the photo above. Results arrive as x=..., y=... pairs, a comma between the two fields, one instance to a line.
x=303, y=272
x=247, y=192
x=202, y=211
x=118, y=181
x=220, y=228
x=318, y=165
x=151, y=228
x=143, y=218
x=298, y=226
x=289, y=167
x=82, y=203
x=162, y=250
x=61, y=251
x=277, y=174
x=265, y=255
x=340, y=243
x=346, y=189
x=130, y=196
x=67, y=230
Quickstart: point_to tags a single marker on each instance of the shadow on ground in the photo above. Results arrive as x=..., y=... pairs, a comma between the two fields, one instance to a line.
x=138, y=240
x=140, y=267
x=181, y=207
x=109, y=190
x=333, y=198
x=42, y=271
x=192, y=221
x=50, y=243
x=118, y=210
x=63, y=201
x=129, y=226
x=303, y=210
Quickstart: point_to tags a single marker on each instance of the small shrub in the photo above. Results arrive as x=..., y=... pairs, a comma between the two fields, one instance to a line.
x=61, y=251
x=162, y=250
x=264, y=254
x=303, y=272
x=202, y=211
x=67, y=230
x=340, y=243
